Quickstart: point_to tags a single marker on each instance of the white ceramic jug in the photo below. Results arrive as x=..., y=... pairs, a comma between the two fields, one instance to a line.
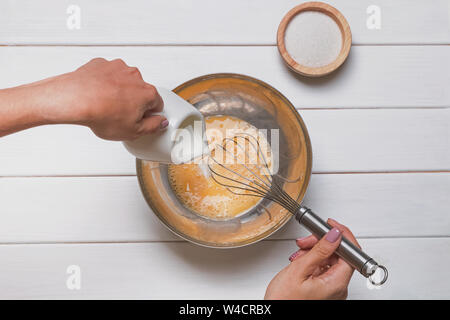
x=184, y=138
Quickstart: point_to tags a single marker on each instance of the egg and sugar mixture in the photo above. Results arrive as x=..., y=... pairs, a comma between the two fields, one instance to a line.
x=193, y=183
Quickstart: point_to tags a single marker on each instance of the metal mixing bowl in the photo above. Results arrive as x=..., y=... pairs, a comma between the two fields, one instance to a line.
x=265, y=108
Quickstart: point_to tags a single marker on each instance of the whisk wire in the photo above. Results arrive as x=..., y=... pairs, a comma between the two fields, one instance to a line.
x=262, y=184
x=245, y=186
x=257, y=186
x=258, y=152
x=266, y=174
x=264, y=187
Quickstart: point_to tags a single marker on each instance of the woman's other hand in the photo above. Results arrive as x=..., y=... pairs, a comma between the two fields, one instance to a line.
x=315, y=271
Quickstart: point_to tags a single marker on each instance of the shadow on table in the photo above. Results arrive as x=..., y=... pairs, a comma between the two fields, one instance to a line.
x=317, y=82
x=217, y=262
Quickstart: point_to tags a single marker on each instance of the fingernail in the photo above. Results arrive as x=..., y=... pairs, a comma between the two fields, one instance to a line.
x=294, y=255
x=164, y=123
x=332, y=220
x=300, y=239
x=333, y=235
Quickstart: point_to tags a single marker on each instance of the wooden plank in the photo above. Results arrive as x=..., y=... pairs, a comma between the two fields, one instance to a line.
x=354, y=140
x=375, y=140
x=62, y=150
x=374, y=76
x=99, y=209
x=209, y=22
x=184, y=271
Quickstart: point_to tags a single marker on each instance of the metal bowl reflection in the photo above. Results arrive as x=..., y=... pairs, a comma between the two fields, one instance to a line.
x=265, y=108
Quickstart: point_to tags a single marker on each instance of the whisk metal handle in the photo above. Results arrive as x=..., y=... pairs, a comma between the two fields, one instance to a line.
x=346, y=250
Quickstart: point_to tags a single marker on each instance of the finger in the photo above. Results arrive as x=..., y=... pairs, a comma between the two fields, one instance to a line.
x=154, y=102
x=326, y=263
x=341, y=270
x=345, y=231
x=135, y=70
x=324, y=267
x=334, y=259
x=319, y=254
x=119, y=62
x=337, y=277
x=307, y=242
x=152, y=124
x=149, y=113
x=310, y=241
x=297, y=254
x=97, y=60
x=321, y=270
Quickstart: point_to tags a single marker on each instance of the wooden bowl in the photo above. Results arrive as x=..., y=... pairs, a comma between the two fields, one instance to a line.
x=345, y=32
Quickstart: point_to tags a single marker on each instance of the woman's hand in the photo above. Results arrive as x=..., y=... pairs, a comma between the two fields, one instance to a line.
x=114, y=100
x=315, y=272
x=108, y=96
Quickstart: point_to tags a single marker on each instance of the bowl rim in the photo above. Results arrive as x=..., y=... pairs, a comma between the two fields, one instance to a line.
x=264, y=235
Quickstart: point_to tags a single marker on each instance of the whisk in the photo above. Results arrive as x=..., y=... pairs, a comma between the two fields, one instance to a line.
x=256, y=179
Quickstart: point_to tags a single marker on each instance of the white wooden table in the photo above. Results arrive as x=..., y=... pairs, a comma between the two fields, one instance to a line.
x=380, y=129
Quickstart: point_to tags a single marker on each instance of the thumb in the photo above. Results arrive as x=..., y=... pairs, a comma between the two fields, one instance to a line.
x=153, y=124
x=319, y=254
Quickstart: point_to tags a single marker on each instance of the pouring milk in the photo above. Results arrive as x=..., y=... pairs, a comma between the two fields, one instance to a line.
x=183, y=140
